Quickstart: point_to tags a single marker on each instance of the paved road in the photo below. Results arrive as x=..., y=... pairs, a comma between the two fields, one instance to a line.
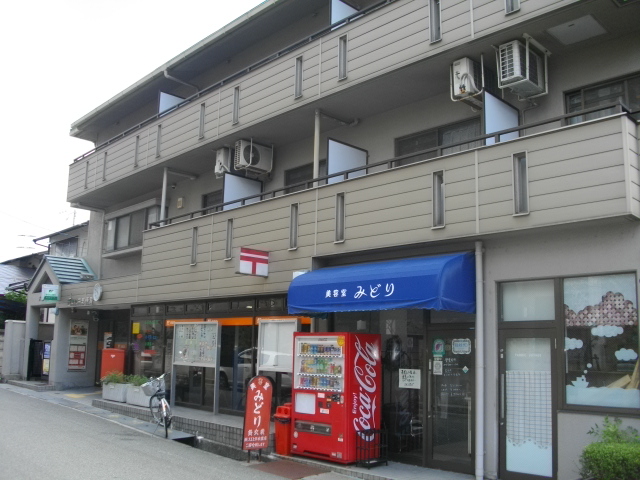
x=43, y=440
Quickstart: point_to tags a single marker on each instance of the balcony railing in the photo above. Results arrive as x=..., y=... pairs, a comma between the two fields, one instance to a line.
x=429, y=154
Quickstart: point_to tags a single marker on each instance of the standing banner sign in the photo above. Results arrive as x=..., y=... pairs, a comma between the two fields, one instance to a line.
x=257, y=416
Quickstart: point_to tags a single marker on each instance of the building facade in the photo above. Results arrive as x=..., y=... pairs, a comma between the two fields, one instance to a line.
x=336, y=137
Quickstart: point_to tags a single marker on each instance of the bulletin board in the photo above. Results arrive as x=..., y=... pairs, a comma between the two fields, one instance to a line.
x=196, y=344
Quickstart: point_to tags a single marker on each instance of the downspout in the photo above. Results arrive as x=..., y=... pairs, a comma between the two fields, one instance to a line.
x=479, y=363
x=163, y=203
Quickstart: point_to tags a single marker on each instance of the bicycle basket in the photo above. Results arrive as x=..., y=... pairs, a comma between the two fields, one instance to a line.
x=150, y=388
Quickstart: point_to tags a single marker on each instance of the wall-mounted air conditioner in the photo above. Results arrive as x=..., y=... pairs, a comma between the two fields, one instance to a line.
x=522, y=69
x=223, y=161
x=253, y=157
x=467, y=82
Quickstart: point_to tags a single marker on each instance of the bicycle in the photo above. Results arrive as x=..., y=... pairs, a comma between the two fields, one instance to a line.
x=160, y=408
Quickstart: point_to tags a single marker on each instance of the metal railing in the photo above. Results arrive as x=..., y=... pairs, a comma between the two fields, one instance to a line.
x=391, y=163
x=236, y=75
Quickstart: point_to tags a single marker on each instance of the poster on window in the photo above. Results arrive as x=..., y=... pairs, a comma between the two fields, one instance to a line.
x=79, y=332
x=196, y=344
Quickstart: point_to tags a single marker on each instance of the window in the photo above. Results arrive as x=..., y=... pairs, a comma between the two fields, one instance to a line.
x=601, y=341
x=158, y=141
x=520, y=184
x=438, y=199
x=435, y=23
x=65, y=248
x=298, y=78
x=511, y=6
x=194, y=245
x=212, y=199
x=236, y=105
x=340, y=215
x=438, y=137
x=342, y=58
x=202, y=115
x=625, y=91
x=528, y=301
x=293, y=227
x=135, y=151
x=126, y=231
x=303, y=174
x=229, y=244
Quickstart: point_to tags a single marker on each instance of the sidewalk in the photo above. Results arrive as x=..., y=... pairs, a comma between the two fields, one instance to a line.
x=82, y=399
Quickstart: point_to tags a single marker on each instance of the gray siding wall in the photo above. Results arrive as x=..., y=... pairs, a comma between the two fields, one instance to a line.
x=578, y=173
x=388, y=39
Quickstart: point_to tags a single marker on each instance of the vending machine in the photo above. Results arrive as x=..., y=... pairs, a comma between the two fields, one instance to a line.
x=337, y=390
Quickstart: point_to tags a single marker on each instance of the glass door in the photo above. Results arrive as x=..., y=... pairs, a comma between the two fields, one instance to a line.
x=527, y=395
x=450, y=399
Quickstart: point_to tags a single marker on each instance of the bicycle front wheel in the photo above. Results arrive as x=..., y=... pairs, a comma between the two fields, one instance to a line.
x=156, y=408
x=166, y=416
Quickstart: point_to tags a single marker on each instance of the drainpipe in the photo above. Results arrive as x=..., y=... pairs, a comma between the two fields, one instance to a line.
x=479, y=363
x=163, y=203
x=316, y=146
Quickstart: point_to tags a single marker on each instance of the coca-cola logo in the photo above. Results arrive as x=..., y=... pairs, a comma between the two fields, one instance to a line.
x=364, y=403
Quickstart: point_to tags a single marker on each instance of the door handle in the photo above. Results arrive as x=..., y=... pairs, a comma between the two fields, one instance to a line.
x=429, y=390
x=469, y=426
x=502, y=396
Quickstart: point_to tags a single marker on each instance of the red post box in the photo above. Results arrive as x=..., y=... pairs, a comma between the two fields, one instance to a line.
x=112, y=361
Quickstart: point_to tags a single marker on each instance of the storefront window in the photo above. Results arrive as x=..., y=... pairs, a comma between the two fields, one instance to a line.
x=147, y=348
x=601, y=341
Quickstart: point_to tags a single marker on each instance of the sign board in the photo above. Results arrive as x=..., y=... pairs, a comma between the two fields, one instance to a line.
x=50, y=293
x=257, y=415
x=78, y=335
x=196, y=344
x=409, y=378
x=253, y=262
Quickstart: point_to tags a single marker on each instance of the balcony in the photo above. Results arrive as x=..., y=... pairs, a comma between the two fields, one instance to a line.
x=384, y=50
x=576, y=173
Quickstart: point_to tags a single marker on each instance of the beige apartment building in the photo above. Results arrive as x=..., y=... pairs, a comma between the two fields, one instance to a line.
x=493, y=143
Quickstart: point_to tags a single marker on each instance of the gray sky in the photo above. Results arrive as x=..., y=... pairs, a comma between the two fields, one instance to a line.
x=60, y=60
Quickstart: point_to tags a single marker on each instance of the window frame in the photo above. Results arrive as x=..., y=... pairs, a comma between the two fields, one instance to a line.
x=129, y=215
x=435, y=15
x=438, y=217
x=558, y=325
x=624, y=80
x=343, y=60
x=520, y=184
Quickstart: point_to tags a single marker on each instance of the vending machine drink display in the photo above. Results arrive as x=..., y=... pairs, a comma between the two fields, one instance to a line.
x=336, y=393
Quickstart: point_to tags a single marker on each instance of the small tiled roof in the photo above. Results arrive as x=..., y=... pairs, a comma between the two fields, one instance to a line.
x=69, y=269
x=10, y=274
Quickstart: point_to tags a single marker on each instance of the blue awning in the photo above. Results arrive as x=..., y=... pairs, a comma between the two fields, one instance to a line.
x=444, y=282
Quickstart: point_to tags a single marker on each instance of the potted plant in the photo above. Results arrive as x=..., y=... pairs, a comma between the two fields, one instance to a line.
x=135, y=394
x=114, y=386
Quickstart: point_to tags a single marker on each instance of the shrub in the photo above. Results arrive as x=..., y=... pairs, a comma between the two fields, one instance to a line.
x=113, y=377
x=614, y=456
x=611, y=461
x=136, y=380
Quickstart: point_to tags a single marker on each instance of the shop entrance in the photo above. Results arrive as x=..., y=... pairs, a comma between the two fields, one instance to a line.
x=450, y=381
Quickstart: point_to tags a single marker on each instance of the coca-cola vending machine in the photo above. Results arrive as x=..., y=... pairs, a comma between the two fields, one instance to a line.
x=337, y=389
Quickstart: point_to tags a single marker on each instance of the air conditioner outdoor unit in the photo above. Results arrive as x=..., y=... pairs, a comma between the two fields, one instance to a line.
x=514, y=73
x=253, y=157
x=223, y=161
x=467, y=82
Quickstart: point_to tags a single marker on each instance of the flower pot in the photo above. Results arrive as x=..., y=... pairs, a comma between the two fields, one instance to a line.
x=136, y=396
x=116, y=392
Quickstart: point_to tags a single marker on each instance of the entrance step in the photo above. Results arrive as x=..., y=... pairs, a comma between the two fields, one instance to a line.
x=36, y=386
